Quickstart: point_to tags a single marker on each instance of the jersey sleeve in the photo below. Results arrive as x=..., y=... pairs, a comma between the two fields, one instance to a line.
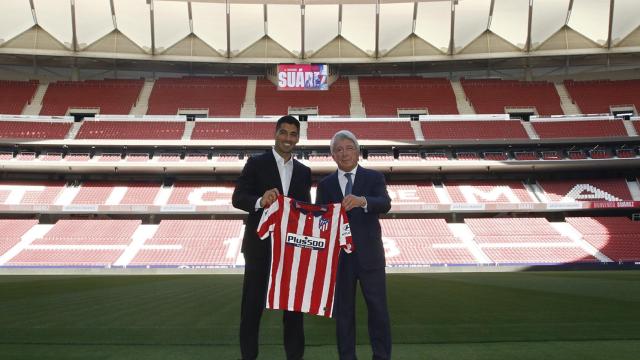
x=268, y=219
x=346, y=242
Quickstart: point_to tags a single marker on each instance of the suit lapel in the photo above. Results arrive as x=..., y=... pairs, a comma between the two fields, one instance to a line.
x=336, y=185
x=358, y=181
x=276, y=173
x=295, y=174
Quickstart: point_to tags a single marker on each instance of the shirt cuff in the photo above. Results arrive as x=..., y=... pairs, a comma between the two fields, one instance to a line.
x=257, y=206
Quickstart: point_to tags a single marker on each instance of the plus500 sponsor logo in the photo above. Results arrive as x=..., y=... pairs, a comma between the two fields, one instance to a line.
x=304, y=241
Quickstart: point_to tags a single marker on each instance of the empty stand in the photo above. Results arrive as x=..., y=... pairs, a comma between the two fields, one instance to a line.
x=30, y=192
x=233, y=130
x=600, y=154
x=422, y=241
x=51, y=156
x=526, y=155
x=112, y=193
x=495, y=156
x=364, y=129
x=467, y=155
x=218, y=96
x=615, y=237
x=492, y=96
x=436, y=156
x=473, y=129
x=192, y=242
x=11, y=232
x=168, y=157
x=111, y=96
x=383, y=96
x=586, y=190
x=558, y=129
x=494, y=191
x=412, y=193
x=77, y=157
x=625, y=153
x=21, y=129
x=525, y=241
x=15, y=95
x=201, y=193
x=90, y=232
x=551, y=155
x=597, y=96
x=335, y=101
x=576, y=155
x=131, y=130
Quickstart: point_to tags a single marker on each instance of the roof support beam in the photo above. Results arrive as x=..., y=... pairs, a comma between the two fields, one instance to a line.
x=415, y=17
x=340, y=20
x=33, y=12
x=452, y=43
x=493, y=4
x=228, y=10
x=190, y=17
x=527, y=46
x=153, y=27
x=612, y=5
x=302, y=11
x=74, y=38
x=264, y=19
x=376, y=53
x=113, y=14
x=566, y=22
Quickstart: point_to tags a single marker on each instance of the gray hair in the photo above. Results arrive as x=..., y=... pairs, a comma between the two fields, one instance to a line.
x=342, y=135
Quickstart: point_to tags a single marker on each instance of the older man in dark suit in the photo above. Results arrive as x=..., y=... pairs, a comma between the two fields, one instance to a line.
x=263, y=178
x=363, y=194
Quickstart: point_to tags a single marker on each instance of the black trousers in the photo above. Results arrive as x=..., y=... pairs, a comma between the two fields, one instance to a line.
x=254, y=291
x=373, y=285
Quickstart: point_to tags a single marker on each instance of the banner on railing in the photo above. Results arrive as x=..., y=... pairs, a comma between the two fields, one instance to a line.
x=303, y=77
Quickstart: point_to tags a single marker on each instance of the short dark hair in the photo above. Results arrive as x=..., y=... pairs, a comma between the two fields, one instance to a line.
x=288, y=119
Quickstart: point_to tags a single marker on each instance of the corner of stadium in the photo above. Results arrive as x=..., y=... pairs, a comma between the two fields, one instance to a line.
x=507, y=132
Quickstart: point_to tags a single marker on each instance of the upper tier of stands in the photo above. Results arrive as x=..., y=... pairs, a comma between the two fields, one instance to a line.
x=473, y=130
x=230, y=130
x=112, y=96
x=382, y=96
x=335, y=101
x=14, y=95
x=491, y=96
x=129, y=130
x=579, y=128
x=221, y=96
x=597, y=96
x=363, y=130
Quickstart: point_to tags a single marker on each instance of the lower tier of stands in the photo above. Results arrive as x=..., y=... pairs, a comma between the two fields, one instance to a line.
x=407, y=242
x=193, y=196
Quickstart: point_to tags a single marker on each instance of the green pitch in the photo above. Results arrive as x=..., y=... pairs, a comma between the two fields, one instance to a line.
x=527, y=315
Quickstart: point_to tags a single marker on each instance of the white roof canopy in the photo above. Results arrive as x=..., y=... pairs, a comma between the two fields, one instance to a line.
x=246, y=31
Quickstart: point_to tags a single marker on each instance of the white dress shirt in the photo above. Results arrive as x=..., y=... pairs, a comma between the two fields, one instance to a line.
x=342, y=180
x=285, y=169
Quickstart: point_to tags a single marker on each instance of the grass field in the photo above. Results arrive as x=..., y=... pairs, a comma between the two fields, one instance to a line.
x=526, y=315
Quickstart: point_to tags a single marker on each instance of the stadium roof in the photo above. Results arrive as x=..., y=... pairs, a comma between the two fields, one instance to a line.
x=333, y=31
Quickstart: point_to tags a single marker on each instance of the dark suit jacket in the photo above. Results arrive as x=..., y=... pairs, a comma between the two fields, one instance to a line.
x=365, y=226
x=260, y=174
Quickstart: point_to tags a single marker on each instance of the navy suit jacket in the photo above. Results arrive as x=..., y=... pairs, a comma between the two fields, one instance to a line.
x=365, y=226
x=260, y=174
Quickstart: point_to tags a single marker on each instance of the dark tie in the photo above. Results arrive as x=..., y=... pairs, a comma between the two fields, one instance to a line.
x=349, y=187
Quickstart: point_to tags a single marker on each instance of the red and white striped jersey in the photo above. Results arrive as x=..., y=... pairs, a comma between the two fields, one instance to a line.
x=305, y=243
